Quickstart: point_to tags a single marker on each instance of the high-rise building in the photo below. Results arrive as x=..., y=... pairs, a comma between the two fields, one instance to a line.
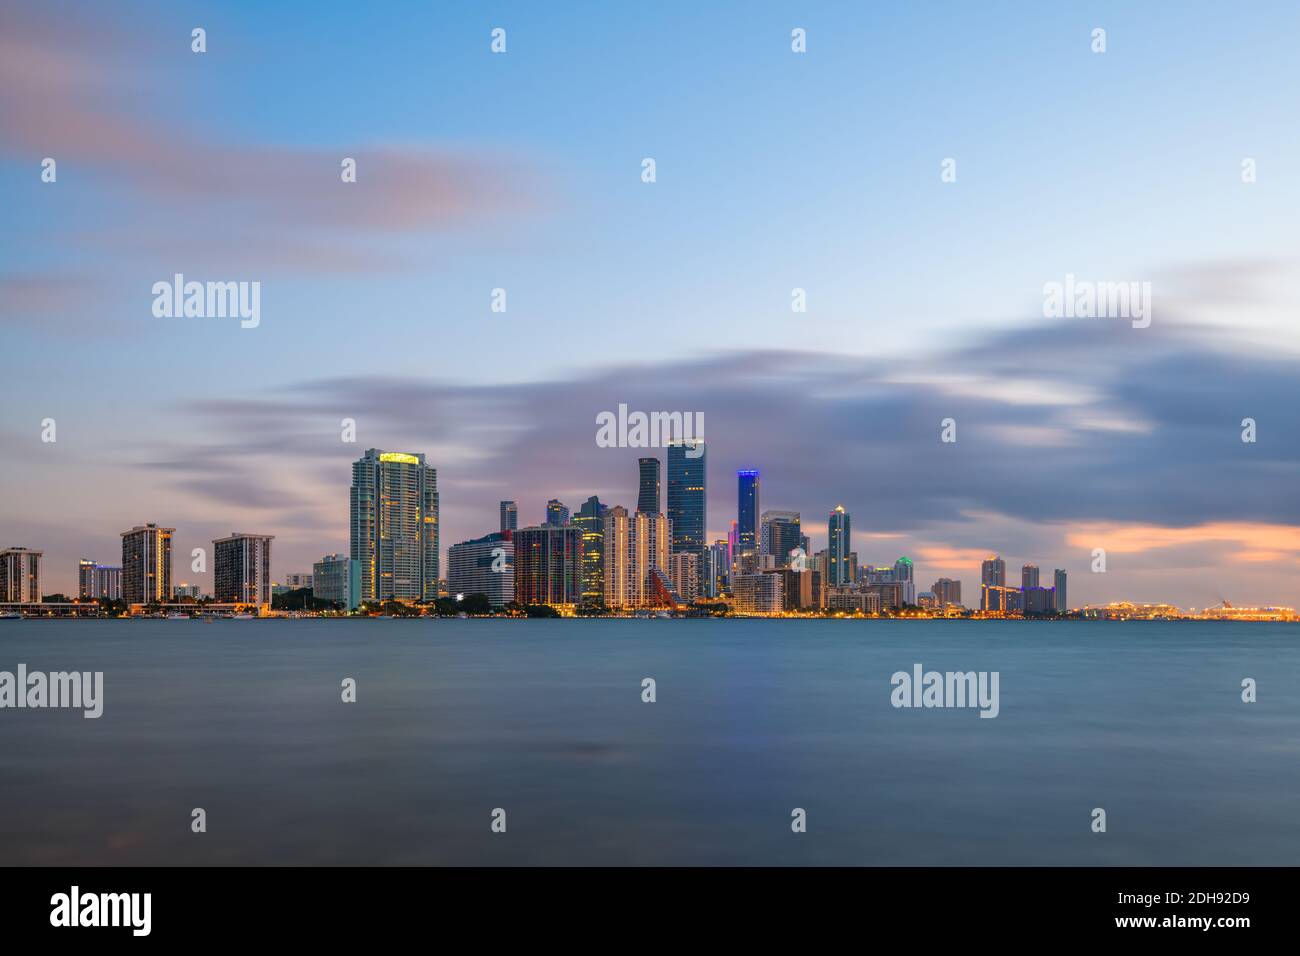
x=686, y=494
x=1036, y=600
x=758, y=593
x=617, y=547
x=85, y=579
x=557, y=513
x=648, y=498
x=298, y=580
x=684, y=574
x=993, y=574
x=1061, y=604
x=651, y=544
x=509, y=516
x=548, y=565
x=718, y=559
x=108, y=582
x=1029, y=576
x=946, y=592
x=779, y=535
x=903, y=574
x=20, y=576
x=838, y=570
x=802, y=590
x=147, y=564
x=485, y=566
x=336, y=577
x=394, y=526
x=241, y=568
x=591, y=520
x=747, y=496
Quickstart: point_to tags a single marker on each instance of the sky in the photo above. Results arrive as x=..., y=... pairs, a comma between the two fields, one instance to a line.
x=774, y=170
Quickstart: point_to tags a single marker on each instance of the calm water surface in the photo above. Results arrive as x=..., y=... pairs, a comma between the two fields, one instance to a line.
x=753, y=718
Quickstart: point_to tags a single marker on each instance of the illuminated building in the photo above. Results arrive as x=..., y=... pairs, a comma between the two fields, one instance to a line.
x=147, y=564
x=484, y=566
x=548, y=565
x=758, y=593
x=394, y=526
x=904, y=575
x=780, y=534
x=748, y=486
x=684, y=573
x=947, y=592
x=509, y=516
x=839, y=528
x=591, y=520
x=686, y=495
x=20, y=576
x=993, y=573
x=1062, y=604
x=96, y=580
x=1029, y=576
x=557, y=513
x=241, y=569
x=617, y=544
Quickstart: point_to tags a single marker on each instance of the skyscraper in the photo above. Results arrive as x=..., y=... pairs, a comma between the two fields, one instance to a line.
x=241, y=568
x=20, y=576
x=591, y=520
x=85, y=579
x=686, y=494
x=903, y=574
x=648, y=499
x=509, y=516
x=394, y=526
x=747, y=496
x=147, y=564
x=1029, y=576
x=946, y=592
x=780, y=533
x=1060, y=603
x=548, y=562
x=557, y=513
x=993, y=574
x=617, y=544
x=839, y=569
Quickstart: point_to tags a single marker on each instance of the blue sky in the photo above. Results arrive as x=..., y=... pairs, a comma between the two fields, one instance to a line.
x=775, y=170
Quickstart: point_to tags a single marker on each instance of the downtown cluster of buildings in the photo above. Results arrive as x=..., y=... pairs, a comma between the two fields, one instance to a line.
x=603, y=558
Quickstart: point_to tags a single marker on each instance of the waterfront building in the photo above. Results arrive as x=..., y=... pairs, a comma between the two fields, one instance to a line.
x=947, y=592
x=337, y=577
x=20, y=576
x=484, y=566
x=394, y=526
x=241, y=569
x=147, y=564
x=758, y=593
x=548, y=565
x=1029, y=576
x=1062, y=603
x=993, y=573
x=684, y=574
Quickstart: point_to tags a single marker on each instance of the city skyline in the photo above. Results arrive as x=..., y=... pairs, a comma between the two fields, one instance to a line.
x=923, y=298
